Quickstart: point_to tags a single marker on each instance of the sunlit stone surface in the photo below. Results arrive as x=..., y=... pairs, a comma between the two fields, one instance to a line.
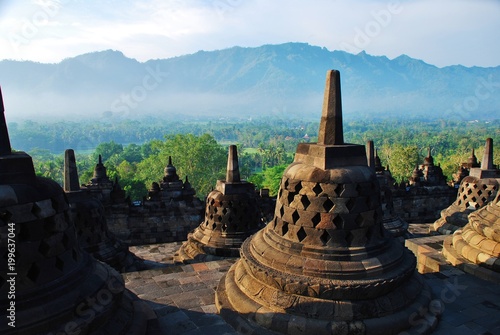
x=475, y=191
x=390, y=220
x=324, y=264
x=231, y=215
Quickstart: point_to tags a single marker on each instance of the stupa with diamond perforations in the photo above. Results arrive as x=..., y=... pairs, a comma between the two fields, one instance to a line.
x=324, y=264
x=231, y=215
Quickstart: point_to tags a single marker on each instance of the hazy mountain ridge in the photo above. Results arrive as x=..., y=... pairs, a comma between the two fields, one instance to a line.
x=285, y=79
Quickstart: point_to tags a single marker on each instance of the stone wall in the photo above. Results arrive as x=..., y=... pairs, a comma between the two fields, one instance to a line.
x=422, y=204
x=154, y=222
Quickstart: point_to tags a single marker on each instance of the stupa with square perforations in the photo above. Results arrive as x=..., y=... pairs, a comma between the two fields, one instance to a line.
x=475, y=191
x=59, y=288
x=325, y=264
x=231, y=215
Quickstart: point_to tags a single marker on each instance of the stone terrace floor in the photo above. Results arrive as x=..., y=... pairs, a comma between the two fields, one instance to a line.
x=182, y=297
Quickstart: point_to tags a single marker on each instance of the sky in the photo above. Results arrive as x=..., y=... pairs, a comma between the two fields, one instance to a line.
x=439, y=32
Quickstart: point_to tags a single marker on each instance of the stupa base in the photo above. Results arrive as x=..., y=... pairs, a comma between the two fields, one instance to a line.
x=250, y=317
x=452, y=256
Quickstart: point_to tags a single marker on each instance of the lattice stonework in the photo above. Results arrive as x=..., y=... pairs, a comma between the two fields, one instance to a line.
x=475, y=193
x=304, y=210
x=231, y=214
x=325, y=264
x=45, y=241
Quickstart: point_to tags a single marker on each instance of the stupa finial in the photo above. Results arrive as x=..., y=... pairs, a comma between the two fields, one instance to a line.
x=370, y=154
x=5, y=148
x=331, y=129
x=233, y=169
x=487, y=162
x=71, y=181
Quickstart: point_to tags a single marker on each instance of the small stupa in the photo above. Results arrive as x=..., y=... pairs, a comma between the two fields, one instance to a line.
x=231, y=215
x=325, y=264
x=171, y=187
x=428, y=174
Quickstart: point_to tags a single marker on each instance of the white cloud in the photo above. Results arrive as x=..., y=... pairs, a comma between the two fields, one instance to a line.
x=439, y=32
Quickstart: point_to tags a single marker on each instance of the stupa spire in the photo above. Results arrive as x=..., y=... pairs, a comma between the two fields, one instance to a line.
x=71, y=181
x=5, y=148
x=15, y=167
x=487, y=162
x=330, y=128
x=233, y=170
x=370, y=153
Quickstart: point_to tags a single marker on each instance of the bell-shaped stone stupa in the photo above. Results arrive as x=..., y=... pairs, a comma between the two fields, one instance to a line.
x=325, y=264
x=231, y=215
x=59, y=288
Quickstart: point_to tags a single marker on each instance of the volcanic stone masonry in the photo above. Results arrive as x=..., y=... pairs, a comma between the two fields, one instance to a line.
x=464, y=169
x=426, y=194
x=475, y=191
x=59, y=288
x=476, y=247
x=391, y=221
x=169, y=212
x=231, y=215
x=87, y=213
x=428, y=174
x=324, y=264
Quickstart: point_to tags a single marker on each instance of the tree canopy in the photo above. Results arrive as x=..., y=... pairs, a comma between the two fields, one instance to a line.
x=136, y=152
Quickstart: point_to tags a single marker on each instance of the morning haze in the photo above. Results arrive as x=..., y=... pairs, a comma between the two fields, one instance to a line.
x=281, y=80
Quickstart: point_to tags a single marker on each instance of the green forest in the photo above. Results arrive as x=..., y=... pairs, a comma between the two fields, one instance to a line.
x=136, y=151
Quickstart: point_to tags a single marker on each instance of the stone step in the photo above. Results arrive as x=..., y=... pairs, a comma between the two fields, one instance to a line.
x=428, y=251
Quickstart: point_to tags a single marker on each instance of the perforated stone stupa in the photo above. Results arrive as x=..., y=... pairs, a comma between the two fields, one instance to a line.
x=231, y=215
x=59, y=288
x=324, y=264
x=475, y=191
x=87, y=213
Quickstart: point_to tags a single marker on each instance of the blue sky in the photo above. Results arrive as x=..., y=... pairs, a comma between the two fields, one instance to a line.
x=440, y=32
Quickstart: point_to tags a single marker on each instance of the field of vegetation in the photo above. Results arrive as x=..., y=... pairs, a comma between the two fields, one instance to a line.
x=136, y=151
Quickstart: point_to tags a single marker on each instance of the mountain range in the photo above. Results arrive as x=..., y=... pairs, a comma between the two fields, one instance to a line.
x=285, y=80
